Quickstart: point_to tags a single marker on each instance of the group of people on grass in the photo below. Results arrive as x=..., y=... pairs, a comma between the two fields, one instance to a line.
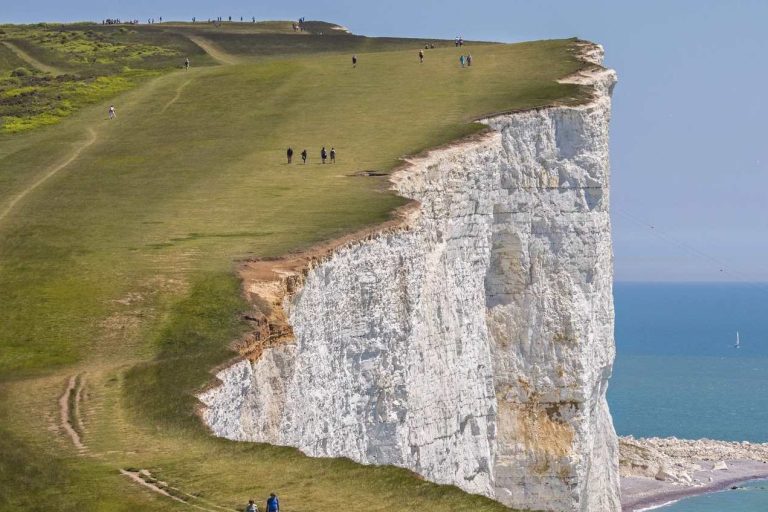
x=273, y=504
x=219, y=19
x=324, y=154
x=118, y=21
x=464, y=60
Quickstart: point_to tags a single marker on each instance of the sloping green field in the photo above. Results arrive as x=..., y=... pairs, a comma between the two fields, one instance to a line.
x=119, y=239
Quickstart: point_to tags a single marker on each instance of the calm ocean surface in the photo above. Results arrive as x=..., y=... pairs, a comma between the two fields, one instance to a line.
x=678, y=374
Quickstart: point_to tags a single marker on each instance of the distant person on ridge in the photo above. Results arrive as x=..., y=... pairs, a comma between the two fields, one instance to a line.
x=333, y=156
x=112, y=112
x=186, y=63
x=354, y=61
x=323, y=154
x=289, y=153
x=273, y=505
x=421, y=56
x=251, y=507
x=304, y=156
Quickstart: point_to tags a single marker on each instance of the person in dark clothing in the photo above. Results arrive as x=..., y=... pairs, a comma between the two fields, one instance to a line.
x=421, y=55
x=354, y=61
x=304, y=156
x=289, y=153
x=333, y=156
x=273, y=505
x=323, y=154
x=469, y=59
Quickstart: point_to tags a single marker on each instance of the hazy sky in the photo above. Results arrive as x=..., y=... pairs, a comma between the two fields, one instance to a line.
x=689, y=148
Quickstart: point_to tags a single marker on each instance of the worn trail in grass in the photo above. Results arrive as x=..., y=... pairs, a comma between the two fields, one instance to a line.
x=49, y=173
x=45, y=68
x=214, y=51
x=119, y=265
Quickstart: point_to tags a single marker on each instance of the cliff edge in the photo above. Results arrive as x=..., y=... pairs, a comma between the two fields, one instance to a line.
x=471, y=340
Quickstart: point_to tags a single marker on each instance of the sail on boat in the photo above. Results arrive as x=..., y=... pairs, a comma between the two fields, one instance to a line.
x=738, y=343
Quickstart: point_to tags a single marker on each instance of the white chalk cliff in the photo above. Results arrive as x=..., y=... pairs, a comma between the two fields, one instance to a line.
x=474, y=344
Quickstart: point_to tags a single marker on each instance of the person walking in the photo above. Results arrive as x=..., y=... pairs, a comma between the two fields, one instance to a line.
x=354, y=61
x=469, y=59
x=289, y=154
x=273, y=505
x=421, y=56
x=304, y=156
x=186, y=63
x=251, y=507
x=323, y=154
x=333, y=155
x=461, y=61
x=112, y=112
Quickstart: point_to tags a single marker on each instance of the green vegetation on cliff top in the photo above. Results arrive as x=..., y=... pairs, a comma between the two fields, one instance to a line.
x=119, y=239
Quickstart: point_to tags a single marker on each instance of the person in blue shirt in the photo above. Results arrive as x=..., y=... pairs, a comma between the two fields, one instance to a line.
x=272, y=504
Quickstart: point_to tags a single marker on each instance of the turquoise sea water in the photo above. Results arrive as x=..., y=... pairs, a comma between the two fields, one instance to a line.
x=678, y=374
x=752, y=496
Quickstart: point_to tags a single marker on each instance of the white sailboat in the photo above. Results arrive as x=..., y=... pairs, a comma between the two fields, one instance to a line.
x=738, y=343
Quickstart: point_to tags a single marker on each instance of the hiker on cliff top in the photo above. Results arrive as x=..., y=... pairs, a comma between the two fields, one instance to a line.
x=333, y=156
x=304, y=156
x=186, y=63
x=323, y=154
x=273, y=505
x=289, y=153
x=421, y=56
x=112, y=112
x=354, y=61
x=251, y=507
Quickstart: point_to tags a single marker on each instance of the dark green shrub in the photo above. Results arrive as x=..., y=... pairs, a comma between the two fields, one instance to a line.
x=21, y=72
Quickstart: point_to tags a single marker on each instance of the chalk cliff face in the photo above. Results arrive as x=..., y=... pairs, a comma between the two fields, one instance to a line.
x=474, y=345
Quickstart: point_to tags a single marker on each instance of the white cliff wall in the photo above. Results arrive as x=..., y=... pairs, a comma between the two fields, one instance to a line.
x=473, y=347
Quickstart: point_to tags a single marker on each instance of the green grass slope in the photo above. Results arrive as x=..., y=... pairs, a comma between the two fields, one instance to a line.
x=119, y=239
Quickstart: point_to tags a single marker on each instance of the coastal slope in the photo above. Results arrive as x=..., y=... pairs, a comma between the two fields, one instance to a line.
x=471, y=341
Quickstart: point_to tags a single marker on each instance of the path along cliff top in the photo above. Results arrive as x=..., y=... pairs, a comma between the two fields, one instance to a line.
x=119, y=239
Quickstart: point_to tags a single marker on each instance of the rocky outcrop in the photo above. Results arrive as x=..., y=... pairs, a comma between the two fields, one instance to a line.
x=473, y=342
x=655, y=471
x=675, y=460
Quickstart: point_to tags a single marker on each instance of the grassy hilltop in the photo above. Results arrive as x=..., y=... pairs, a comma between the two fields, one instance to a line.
x=119, y=239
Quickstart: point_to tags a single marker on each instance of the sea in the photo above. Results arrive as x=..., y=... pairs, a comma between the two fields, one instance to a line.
x=678, y=373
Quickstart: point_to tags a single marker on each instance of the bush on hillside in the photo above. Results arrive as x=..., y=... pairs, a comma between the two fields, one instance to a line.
x=21, y=72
